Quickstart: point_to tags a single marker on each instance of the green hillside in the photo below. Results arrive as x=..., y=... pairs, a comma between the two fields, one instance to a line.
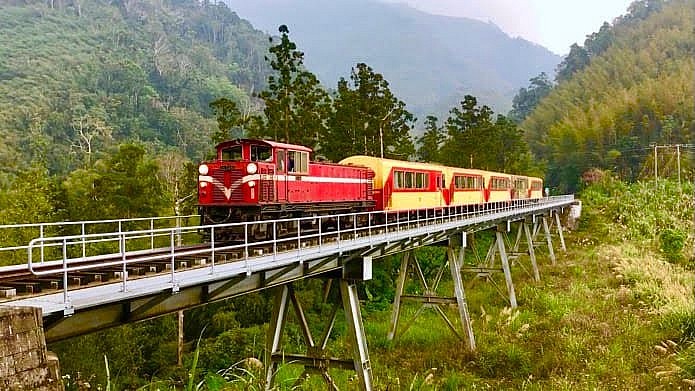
x=636, y=91
x=81, y=77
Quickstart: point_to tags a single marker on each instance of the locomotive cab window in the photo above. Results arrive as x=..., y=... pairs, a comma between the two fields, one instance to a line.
x=298, y=162
x=231, y=153
x=261, y=153
x=280, y=160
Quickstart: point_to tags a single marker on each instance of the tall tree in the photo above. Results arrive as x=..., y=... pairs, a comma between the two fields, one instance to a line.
x=367, y=119
x=468, y=129
x=295, y=103
x=125, y=184
x=476, y=139
x=431, y=141
x=576, y=60
x=229, y=120
x=527, y=98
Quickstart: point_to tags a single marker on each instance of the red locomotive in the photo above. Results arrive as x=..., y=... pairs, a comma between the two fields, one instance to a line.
x=258, y=180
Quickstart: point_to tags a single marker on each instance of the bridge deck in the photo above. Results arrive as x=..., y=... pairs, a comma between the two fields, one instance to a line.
x=326, y=255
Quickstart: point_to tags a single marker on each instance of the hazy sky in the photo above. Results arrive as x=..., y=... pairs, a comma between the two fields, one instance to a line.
x=555, y=24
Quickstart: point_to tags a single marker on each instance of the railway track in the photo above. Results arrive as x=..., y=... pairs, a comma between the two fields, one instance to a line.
x=19, y=281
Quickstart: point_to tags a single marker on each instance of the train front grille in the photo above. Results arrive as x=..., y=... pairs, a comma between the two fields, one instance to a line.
x=227, y=182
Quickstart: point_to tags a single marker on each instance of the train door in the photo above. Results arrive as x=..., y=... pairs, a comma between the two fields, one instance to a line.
x=445, y=199
x=281, y=175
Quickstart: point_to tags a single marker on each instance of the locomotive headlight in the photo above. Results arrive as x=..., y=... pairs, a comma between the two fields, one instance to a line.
x=252, y=183
x=251, y=168
x=203, y=184
x=203, y=169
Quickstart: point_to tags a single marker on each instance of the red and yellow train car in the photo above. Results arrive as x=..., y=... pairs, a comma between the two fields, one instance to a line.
x=401, y=185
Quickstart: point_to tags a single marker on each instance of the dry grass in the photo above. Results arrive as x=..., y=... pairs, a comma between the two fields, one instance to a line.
x=660, y=287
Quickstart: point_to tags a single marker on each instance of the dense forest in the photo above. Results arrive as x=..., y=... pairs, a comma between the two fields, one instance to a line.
x=105, y=95
x=629, y=86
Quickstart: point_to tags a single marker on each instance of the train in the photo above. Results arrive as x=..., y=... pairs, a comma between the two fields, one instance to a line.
x=256, y=180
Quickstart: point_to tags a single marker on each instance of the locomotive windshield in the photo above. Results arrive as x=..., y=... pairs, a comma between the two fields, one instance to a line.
x=261, y=153
x=232, y=153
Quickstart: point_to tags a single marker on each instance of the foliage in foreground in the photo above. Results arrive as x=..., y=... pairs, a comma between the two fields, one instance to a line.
x=658, y=215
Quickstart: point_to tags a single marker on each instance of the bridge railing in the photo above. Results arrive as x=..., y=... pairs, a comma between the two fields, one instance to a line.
x=290, y=239
x=13, y=234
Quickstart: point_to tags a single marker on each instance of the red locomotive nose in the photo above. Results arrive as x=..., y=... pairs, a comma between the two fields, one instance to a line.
x=227, y=179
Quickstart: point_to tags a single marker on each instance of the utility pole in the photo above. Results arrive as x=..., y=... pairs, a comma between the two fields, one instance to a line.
x=656, y=165
x=678, y=153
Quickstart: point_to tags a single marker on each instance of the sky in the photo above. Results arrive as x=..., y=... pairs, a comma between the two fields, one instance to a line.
x=555, y=24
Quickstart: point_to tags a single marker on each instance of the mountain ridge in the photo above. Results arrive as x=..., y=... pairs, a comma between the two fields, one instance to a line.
x=431, y=61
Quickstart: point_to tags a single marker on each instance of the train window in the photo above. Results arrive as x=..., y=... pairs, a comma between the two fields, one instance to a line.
x=280, y=160
x=261, y=153
x=535, y=185
x=422, y=180
x=500, y=183
x=298, y=162
x=232, y=153
x=409, y=180
x=467, y=182
x=520, y=184
x=398, y=179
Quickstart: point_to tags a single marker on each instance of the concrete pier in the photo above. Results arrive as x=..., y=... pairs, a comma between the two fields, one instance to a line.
x=24, y=362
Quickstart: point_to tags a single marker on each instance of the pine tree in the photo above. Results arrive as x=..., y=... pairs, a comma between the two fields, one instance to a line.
x=431, y=141
x=295, y=103
x=368, y=119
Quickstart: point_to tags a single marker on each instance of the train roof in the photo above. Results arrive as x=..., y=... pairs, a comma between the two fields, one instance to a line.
x=270, y=143
x=390, y=163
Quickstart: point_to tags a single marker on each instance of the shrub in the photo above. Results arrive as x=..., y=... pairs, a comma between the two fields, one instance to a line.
x=671, y=243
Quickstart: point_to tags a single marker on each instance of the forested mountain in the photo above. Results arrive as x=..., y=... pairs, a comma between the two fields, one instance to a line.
x=431, y=61
x=77, y=78
x=630, y=86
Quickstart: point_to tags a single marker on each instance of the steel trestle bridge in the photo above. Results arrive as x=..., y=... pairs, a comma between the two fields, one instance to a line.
x=103, y=279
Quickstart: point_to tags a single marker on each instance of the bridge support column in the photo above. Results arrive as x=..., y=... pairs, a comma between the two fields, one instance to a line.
x=317, y=359
x=524, y=232
x=499, y=235
x=559, y=231
x=541, y=223
x=488, y=265
x=548, y=239
x=430, y=297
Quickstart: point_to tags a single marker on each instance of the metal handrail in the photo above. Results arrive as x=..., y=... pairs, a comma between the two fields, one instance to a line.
x=85, y=226
x=340, y=238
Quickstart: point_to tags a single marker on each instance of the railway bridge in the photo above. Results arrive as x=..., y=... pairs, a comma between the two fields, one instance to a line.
x=114, y=272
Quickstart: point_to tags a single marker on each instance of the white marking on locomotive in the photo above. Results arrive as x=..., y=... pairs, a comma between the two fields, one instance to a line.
x=266, y=177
